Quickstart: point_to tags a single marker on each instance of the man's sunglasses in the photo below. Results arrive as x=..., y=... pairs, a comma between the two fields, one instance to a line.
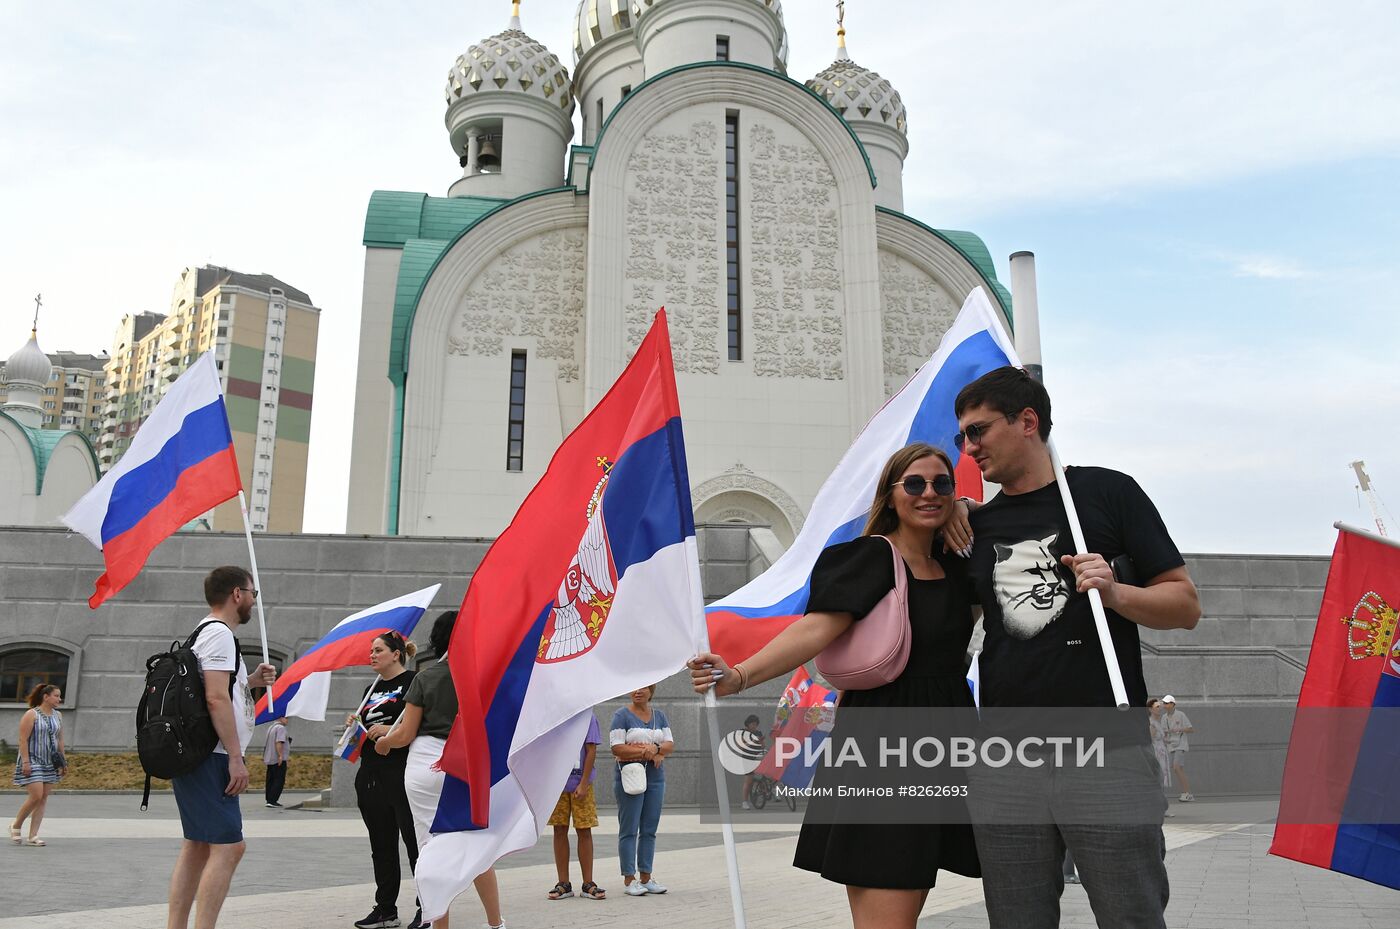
x=975, y=431
x=914, y=485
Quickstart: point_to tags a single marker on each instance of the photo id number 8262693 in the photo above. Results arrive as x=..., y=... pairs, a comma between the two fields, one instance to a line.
x=934, y=790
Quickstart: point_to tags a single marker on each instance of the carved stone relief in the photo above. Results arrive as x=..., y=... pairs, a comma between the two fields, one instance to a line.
x=739, y=477
x=674, y=247
x=532, y=289
x=794, y=260
x=915, y=312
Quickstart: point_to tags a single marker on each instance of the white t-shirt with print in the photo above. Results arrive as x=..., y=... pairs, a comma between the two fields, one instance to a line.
x=217, y=651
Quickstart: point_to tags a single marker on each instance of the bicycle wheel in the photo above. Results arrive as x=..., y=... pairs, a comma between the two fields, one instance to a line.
x=758, y=794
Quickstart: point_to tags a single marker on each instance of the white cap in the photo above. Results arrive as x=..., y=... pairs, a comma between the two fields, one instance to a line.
x=1168, y=699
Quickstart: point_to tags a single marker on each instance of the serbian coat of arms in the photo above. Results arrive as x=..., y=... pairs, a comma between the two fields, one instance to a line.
x=586, y=593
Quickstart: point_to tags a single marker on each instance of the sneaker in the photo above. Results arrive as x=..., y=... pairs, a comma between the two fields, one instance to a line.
x=1186, y=798
x=273, y=805
x=1168, y=813
x=418, y=921
x=747, y=805
x=378, y=919
x=635, y=889
x=652, y=887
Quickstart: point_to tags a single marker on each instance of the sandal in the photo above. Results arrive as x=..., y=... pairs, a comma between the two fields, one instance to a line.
x=35, y=840
x=561, y=890
x=592, y=891
x=15, y=835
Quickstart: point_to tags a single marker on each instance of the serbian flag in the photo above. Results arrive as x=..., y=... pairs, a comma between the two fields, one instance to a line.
x=180, y=464
x=304, y=689
x=806, y=713
x=592, y=591
x=1340, y=807
x=922, y=411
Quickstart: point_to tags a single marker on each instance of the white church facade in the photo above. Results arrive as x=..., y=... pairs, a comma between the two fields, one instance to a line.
x=765, y=214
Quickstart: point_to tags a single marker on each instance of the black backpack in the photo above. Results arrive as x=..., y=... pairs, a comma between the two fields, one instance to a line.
x=174, y=732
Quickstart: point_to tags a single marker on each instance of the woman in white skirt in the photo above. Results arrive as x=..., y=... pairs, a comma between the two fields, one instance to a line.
x=429, y=710
x=39, y=763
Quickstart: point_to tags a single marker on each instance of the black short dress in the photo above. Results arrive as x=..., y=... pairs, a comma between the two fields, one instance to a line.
x=852, y=578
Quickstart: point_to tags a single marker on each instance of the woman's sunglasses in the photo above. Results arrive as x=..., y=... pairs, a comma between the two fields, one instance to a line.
x=915, y=485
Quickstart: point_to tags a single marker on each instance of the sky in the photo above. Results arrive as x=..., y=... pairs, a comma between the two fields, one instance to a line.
x=1212, y=192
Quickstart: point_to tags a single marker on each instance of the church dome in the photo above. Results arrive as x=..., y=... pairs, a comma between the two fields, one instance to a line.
x=595, y=20
x=706, y=14
x=860, y=94
x=29, y=364
x=511, y=61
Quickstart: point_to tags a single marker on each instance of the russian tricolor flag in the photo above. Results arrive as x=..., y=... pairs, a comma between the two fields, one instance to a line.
x=180, y=464
x=304, y=688
x=1340, y=807
x=746, y=620
x=592, y=591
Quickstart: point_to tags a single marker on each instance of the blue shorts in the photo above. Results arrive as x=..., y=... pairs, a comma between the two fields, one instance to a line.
x=207, y=814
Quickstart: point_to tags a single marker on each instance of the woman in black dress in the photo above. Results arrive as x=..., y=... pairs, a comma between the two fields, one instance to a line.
x=888, y=868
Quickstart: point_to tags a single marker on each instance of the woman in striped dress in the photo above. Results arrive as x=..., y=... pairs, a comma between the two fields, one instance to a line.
x=40, y=762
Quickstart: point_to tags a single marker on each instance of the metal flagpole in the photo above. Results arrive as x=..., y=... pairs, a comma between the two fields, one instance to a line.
x=253, y=566
x=1367, y=534
x=1028, y=350
x=731, y=851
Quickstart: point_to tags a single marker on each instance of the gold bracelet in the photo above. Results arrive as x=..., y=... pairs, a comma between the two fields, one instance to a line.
x=743, y=678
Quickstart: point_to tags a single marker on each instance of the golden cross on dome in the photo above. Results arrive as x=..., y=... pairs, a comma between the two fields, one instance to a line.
x=603, y=463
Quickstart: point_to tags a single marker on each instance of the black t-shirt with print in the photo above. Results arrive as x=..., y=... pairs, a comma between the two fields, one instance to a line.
x=1041, y=648
x=387, y=699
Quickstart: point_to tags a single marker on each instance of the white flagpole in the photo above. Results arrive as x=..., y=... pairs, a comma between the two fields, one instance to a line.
x=253, y=566
x=731, y=850
x=1110, y=657
x=1366, y=534
x=1028, y=349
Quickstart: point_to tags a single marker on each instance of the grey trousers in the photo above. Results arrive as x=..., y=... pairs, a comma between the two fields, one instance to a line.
x=1109, y=818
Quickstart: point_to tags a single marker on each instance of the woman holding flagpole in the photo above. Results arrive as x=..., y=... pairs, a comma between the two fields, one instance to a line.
x=429, y=710
x=888, y=867
x=379, y=782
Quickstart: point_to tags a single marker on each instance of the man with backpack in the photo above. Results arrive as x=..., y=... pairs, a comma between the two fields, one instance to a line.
x=208, y=795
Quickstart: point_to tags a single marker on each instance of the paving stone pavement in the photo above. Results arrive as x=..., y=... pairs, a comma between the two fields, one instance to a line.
x=108, y=865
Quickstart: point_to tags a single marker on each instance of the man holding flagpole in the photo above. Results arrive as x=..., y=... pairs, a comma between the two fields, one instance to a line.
x=207, y=797
x=1041, y=650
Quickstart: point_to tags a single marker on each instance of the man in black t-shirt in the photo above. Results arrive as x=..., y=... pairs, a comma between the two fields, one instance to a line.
x=1041, y=649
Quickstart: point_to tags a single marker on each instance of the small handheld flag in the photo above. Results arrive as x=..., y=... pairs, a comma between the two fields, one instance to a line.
x=304, y=688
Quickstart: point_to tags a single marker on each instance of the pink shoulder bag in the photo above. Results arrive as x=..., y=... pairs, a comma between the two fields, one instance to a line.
x=875, y=649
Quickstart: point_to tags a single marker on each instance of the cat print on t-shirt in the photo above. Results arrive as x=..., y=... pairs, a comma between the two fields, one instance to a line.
x=1029, y=586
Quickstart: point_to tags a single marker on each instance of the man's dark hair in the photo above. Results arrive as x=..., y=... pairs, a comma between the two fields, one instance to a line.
x=222, y=581
x=441, y=635
x=1007, y=390
x=751, y=718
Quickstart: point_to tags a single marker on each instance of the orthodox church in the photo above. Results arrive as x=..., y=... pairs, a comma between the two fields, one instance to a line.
x=763, y=210
x=43, y=471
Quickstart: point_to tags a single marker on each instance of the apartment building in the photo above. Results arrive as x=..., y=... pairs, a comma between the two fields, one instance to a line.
x=73, y=398
x=263, y=334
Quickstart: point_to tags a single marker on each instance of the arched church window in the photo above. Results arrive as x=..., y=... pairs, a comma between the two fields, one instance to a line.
x=22, y=668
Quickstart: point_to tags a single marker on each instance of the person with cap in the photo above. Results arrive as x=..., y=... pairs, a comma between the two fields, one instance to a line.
x=1177, y=727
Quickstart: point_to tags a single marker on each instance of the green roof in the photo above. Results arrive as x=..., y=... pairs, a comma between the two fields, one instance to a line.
x=395, y=216
x=43, y=442
x=971, y=247
x=423, y=228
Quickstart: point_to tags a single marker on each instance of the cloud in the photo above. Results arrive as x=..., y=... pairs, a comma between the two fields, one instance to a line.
x=1269, y=268
x=1012, y=102
x=1243, y=447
